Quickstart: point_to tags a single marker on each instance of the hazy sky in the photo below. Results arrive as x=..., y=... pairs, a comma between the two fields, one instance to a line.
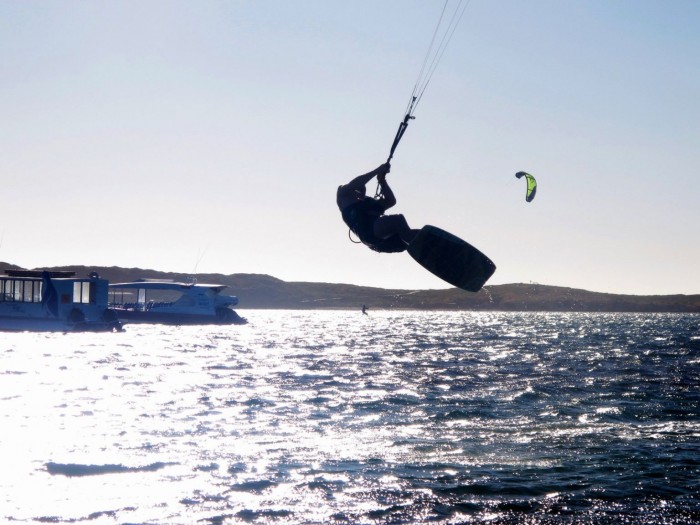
x=211, y=136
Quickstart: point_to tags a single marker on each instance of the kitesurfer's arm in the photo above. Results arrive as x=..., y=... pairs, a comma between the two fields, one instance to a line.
x=362, y=180
x=387, y=196
x=347, y=193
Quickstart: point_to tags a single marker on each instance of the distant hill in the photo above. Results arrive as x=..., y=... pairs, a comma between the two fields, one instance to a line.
x=264, y=291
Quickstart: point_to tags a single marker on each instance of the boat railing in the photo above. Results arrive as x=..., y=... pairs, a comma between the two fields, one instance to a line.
x=141, y=307
x=159, y=304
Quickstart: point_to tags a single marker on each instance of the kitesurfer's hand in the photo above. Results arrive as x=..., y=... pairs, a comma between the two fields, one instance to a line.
x=382, y=171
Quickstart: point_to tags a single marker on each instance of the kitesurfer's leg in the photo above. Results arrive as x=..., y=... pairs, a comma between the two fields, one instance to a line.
x=388, y=225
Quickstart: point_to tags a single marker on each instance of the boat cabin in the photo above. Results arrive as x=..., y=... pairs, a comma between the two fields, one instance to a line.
x=54, y=301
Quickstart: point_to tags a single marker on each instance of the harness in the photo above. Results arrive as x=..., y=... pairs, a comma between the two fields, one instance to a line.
x=360, y=218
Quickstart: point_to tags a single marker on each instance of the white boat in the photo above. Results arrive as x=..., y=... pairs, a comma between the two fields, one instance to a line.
x=44, y=301
x=163, y=301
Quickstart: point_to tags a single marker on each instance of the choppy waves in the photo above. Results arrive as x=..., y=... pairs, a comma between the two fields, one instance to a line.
x=335, y=417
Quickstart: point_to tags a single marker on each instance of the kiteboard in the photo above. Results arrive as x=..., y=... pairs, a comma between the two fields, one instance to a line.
x=451, y=259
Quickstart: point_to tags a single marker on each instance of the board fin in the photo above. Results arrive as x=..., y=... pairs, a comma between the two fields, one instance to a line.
x=451, y=259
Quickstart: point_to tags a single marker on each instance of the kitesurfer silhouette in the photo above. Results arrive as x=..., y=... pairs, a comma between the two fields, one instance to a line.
x=366, y=215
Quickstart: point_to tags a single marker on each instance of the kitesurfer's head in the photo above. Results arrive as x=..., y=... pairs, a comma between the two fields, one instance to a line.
x=361, y=192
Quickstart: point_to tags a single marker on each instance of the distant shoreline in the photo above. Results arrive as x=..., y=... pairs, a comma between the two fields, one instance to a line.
x=258, y=291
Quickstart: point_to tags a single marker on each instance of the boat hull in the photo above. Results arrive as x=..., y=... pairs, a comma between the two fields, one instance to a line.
x=157, y=301
x=178, y=318
x=19, y=324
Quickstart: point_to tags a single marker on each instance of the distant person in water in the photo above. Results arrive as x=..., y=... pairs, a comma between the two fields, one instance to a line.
x=365, y=215
x=364, y=309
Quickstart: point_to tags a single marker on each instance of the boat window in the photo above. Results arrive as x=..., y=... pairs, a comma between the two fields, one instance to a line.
x=117, y=296
x=146, y=299
x=9, y=291
x=19, y=288
x=28, y=292
x=158, y=296
x=20, y=291
x=38, y=288
x=81, y=292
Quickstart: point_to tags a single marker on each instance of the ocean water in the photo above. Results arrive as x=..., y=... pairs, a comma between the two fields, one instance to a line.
x=321, y=417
